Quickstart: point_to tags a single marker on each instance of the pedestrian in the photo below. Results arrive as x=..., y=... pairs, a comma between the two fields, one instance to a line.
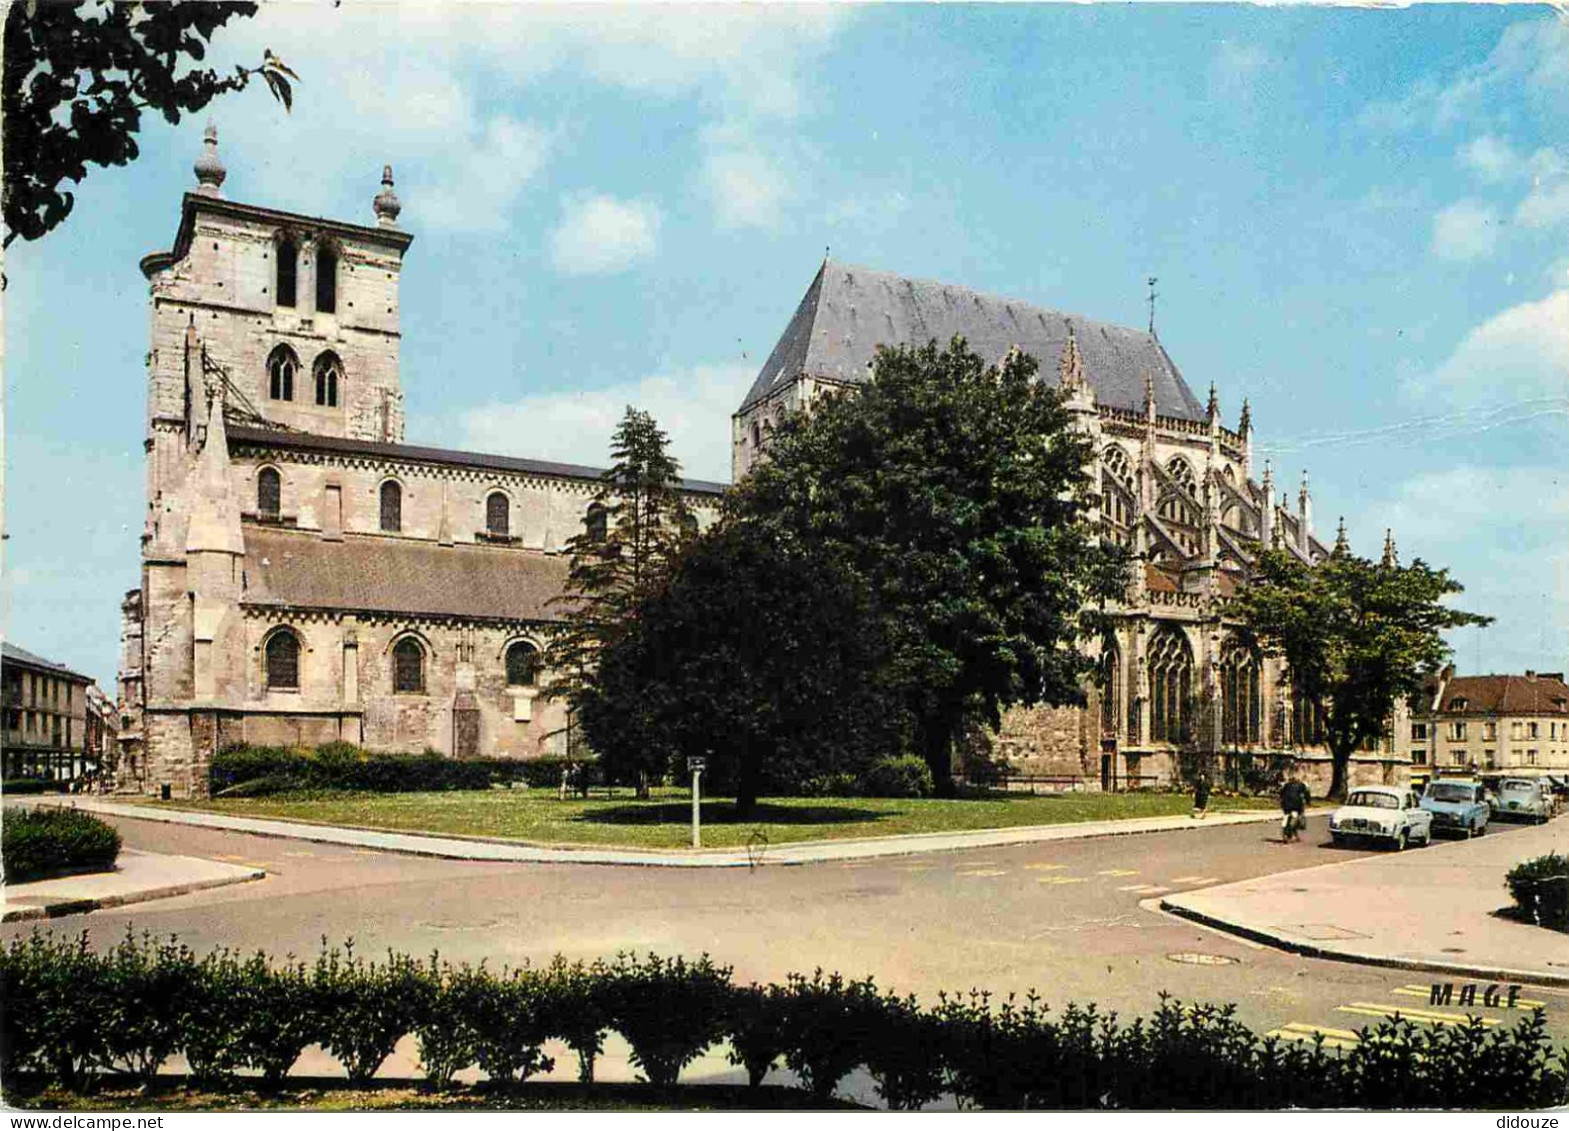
x=1293, y=806
x=1201, y=795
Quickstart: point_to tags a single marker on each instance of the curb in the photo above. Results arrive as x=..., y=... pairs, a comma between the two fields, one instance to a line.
x=62, y=907
x=529, y=852
x=1314, y=950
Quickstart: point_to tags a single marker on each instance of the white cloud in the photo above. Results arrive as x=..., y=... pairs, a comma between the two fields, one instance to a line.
x=1237, y=65
x=693, y=406
x=1465, y=230
x=1547, y=203
x=479, y=187
x=600, y=235
x=1519, y=355
x=1490, y=158
x=747, y=190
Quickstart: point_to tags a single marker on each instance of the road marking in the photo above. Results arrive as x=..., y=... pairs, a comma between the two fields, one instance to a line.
x=1063, y=879
x=1119, y=872
x=1196, y=880
x=918, y=868
x=1145, y=889
x=1425, y=993
x=1427, y=1016
x=1046, y=867
x=986, y=872
x=1342, y=1039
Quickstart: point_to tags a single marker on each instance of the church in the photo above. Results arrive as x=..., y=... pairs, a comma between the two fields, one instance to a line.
x=307, y=577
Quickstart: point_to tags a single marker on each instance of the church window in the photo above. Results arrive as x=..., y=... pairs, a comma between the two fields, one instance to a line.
x=757, y=435
x=1117, y=491
x=595, y=523
x=288, y=271
x=1171, y=686
x=327, y=369
x=282, y=365
x=1110, y=686
x=1307, y=719
x=1241, y=701
x=1182, y=471
x=283, y=661
x=408, y=665
x=498, y=515
x=269, y=493
x=391, y=507
x=522, y=665
x=326, y=280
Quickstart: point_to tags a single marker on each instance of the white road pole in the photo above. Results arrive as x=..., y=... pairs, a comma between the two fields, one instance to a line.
x=697, y=801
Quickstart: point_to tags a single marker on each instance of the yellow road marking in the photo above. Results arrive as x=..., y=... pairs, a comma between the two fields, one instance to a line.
x=1343, y=1034
x=1046, y=867
x=1119, y=872
x=1306, y=1035
x=1063, y=879
x=1144, y=889
x=1426, y=1016
x=1425, y=994
x=986, y=872
x=1186, y=879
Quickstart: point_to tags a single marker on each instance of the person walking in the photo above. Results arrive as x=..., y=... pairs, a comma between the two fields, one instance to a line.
x=1201, y=796
x=1294, y=798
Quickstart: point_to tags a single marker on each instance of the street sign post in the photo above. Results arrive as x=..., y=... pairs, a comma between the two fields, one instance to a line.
x=696, y=765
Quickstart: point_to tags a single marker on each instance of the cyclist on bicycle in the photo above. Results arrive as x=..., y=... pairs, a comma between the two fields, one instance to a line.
x=1293, y=804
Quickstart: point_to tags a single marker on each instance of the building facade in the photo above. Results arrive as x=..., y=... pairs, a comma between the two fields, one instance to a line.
x=48, y=718
x=1516, y=724
x=1178, y=487
x=307, y=576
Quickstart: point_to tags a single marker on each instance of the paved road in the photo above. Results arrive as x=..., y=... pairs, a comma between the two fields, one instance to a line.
x=1063, y=917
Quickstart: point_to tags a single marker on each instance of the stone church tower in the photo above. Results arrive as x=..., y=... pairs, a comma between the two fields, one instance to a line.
x=307, y=577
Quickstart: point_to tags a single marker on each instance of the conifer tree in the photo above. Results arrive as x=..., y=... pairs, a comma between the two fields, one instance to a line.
x=636, y=522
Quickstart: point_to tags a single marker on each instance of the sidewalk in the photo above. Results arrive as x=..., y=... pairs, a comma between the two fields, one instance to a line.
x=1423, y=909
x=138, y=876
x=800, y=852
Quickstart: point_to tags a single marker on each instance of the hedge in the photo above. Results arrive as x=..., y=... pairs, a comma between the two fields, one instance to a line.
x=51, y=840
x=69, y=1016
x=1540, y=888
x=254, y=771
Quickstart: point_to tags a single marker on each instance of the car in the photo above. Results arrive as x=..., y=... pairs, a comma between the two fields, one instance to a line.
x=1523, y=799
x=1458, y=807
x=1381, y=813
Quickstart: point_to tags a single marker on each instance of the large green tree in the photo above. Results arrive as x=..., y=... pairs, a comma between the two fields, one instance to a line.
x=636, y=522
x=77, y=77
x=955, y=493
x=1357, y=635
x=762, y=654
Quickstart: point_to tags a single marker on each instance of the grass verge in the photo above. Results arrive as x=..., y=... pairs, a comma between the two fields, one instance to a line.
x=540, y=816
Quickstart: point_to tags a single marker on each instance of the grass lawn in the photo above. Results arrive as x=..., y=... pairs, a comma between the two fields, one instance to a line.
x=664, y=821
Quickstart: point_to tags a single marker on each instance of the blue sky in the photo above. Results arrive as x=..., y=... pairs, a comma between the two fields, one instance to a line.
x=1358, y=219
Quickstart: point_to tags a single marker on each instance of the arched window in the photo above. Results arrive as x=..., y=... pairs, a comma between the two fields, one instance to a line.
x=1171, y=686
x=326, y=280
x=522, y=665
x=328, y=369
x=288, y=270
x=595, y=522
x=282, y=365
x=408, y=665
x=269, y=493
x=391, y=507
x=498, y=514
x=1117, y=491
x=1182, y=471
x=757, y=435
x=1110, y=686
x=1307, y=718
x=283, y=661
x=1242, y=707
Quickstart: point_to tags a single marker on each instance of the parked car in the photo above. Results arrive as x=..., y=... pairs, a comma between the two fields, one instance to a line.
x=1523, y=799
x=1382, y=813
x=1458, y=807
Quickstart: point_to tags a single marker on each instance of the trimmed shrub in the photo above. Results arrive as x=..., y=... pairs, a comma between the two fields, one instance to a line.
x=48, y=840
x=212, y=1018
x=152, y=982
x=669, y=1010
x=444, y=1027
x=1540, y=889
x=906, y=1059
x=364, y=1008
x=756, y=1030
x=256, y=771
x=511, y=1023
x=828, y=1025
x=905, y=776
x=278, y=1020
x=578, y=1010
x=831, y=785
x=22, y=786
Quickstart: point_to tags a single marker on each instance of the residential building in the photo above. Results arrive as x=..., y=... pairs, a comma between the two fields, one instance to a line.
x=47, y=728
x=1515, y=724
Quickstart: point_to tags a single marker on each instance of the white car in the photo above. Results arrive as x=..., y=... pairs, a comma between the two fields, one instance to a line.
x=1383, y=813
x=1523, y=799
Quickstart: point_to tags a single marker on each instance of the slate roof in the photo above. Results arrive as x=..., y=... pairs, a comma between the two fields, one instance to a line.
x=1507, y=695
x=306, y=441
x=28, y=659
x=848, y=311
x=297, y=569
